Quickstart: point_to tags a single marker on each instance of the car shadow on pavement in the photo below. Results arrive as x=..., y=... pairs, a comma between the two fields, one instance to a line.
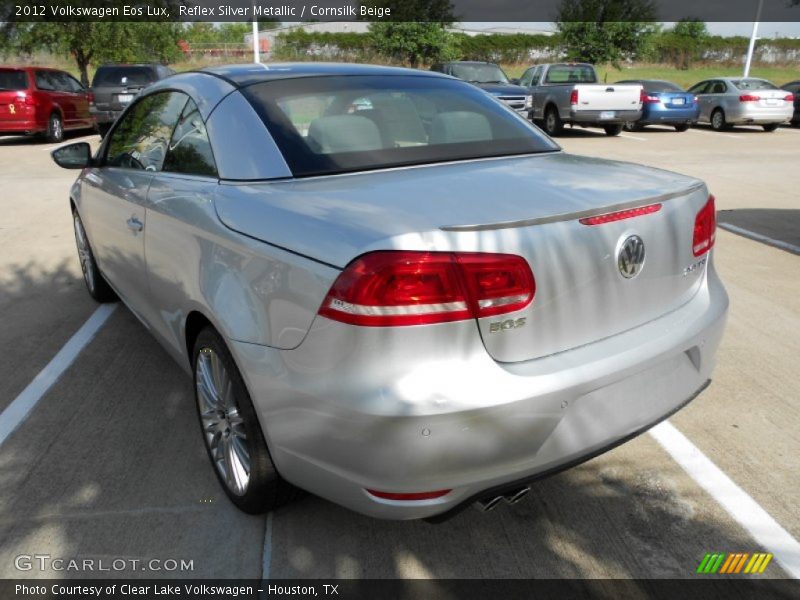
x=110, y=466
x=767, y=225
x=25, y=140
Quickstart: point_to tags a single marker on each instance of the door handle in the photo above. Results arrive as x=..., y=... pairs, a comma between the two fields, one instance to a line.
x=135, y=224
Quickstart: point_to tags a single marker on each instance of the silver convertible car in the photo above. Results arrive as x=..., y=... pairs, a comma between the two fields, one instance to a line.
x=391, y=290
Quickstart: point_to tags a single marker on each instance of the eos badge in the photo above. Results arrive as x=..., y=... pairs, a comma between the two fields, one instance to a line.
x=506, y=325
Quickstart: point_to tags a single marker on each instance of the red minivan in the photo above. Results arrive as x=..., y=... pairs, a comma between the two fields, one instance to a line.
x=37, y=100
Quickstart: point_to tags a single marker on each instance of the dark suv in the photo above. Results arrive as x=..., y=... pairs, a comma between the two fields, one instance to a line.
x=492, y=79
x=115, y=85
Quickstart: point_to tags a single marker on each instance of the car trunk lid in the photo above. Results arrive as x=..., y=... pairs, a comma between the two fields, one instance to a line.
x=529, y=206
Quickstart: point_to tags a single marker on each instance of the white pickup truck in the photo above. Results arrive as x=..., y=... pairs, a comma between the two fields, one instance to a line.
x=569, y=93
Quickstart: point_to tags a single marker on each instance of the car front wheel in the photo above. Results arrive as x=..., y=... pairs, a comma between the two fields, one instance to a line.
x=231, y=431
x=95, y=282
x=613, y=130
x=682, y=127
x=770, y=127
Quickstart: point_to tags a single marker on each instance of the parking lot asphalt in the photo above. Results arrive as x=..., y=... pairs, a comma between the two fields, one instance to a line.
x=110, y=463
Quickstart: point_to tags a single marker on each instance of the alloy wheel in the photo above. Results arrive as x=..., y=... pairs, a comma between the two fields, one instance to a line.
x=84, y=254
x=223, y=426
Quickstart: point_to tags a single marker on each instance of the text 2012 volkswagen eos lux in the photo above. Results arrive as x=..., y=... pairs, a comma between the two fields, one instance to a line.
x=393, y=291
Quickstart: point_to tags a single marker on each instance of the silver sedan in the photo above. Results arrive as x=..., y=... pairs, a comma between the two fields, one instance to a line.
x=742, y=101
x=391, y=290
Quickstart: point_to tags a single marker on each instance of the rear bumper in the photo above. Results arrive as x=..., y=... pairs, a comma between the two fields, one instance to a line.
x=348, y=411
x=670, y=116
x=758, y=116
x=104, y=117
x=22, y=126
x=594, y=117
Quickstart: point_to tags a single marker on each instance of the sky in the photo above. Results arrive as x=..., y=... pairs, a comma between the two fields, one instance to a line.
x=765, y=30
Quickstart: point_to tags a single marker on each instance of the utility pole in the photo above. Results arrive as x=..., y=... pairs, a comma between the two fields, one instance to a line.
x=256, y=56
x=752, y=40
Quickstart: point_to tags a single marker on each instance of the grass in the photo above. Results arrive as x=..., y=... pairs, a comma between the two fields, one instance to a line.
x=684, y=78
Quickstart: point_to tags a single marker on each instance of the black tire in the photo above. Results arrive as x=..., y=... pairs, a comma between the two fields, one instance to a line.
x=770, y=127
x=102, y=129
x=795, y=123
x=265, y=490
x=96, y=284
x=552, y=125
x=613, y=130
x=631, y=126
x=55, y=128
x=681, y=128
x=718, y=122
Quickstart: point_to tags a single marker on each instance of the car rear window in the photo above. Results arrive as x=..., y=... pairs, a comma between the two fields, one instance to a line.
x=13, y=80
x=661, y=86
x=327, y=125
x=123, y=76
x=753, y=84
x=571, y=74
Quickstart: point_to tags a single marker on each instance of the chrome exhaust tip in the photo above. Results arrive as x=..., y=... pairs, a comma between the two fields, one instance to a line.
x=487, y=505
x=518, y=495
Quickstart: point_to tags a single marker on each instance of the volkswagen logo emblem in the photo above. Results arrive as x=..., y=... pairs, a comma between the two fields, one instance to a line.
x=630, y=257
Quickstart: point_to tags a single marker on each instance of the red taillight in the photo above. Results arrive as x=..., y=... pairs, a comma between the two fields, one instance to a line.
x=748, y=98
x=573, y=97
x=390, y=288
x=620, y=215
x=408, y=496
x=789, y=98
x=645, y=98
x=90, y=97
x=705, y=226
x=27, y=98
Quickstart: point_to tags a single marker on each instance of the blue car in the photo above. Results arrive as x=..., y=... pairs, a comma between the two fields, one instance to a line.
x=665, y=103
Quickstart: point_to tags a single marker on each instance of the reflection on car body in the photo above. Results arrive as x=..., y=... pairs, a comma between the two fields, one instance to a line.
x=404, y=307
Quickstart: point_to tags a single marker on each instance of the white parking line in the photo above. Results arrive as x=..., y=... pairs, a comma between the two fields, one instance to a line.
x=266, y=560
x=736, y=502
x=760, y=238
x=633, y=137
x=716, y=133
x=19, y=409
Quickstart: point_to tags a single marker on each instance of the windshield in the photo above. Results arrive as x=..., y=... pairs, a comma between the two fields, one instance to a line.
x=326, y=125
x=13, y=80
x=123, y=76
x=753, y=84
x=479, y=73
x=571, y=74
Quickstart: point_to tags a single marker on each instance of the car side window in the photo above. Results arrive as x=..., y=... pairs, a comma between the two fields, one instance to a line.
x=190, y=149
x=74, y=85
x=699, y=88
x=527, y=78
x=141, y=139
x=46, y=81
x=718, y=87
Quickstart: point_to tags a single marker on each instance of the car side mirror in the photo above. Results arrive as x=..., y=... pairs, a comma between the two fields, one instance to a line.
x=73, y=156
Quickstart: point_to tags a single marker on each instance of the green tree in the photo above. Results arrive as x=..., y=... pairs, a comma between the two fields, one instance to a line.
x=600, y=31
x=95, y=42
x=413, y=43
x=683, y=44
